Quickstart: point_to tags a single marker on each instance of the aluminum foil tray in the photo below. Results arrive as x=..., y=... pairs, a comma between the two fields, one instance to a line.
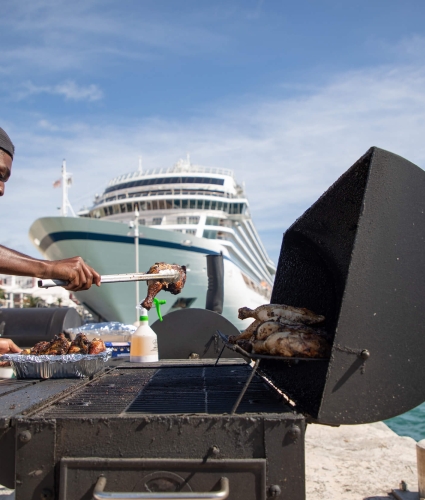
x=65, y=366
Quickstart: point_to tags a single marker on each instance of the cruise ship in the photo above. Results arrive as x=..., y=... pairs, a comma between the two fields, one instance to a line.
x=177, y=215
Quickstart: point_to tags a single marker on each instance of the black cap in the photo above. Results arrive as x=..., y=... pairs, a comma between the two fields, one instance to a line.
x=6, y=144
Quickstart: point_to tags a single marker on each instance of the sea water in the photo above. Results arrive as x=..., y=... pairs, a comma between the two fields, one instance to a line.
x=410, y=424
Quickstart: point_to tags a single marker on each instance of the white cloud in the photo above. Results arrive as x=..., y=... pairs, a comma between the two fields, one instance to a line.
x=288, y=151
x=52, y=37
x=68, y=89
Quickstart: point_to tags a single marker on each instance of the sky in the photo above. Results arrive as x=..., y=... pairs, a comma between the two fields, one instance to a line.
x=286, y=94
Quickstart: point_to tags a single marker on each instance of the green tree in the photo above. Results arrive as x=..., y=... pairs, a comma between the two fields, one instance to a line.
x=32, y=301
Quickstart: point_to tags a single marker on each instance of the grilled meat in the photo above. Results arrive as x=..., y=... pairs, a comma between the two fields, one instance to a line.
x=289, y=314
x=59, y=345
x=246, y=334
x=40, y=348
x=269, y=327
x=174, y=286
x=80, y=345
x=281, y=330
x=295, y=343
x=96, y=346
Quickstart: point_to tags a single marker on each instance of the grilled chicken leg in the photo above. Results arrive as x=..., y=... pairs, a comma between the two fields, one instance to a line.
x=174, y=286
x=288, y=314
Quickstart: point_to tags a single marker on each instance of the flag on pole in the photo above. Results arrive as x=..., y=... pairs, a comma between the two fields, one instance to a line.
x=57, y=183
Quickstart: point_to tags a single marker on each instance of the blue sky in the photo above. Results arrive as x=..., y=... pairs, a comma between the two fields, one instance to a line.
x=287, y=94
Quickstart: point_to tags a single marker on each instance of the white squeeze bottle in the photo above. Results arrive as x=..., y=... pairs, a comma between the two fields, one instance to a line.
x=144, y=342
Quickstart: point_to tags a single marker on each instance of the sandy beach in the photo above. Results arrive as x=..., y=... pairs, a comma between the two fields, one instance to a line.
x=358, y=462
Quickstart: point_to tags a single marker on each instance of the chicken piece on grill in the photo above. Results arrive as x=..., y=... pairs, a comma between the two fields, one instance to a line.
x=40, y=348
x=288, y=314
x=96, y=346
x=80, y=345
x=295, y=343
x=58, y=346
x=174, y=286
x=246, y=334
x=269, y=327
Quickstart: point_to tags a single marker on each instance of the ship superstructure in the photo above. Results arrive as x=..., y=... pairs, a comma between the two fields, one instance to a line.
x=186, y=208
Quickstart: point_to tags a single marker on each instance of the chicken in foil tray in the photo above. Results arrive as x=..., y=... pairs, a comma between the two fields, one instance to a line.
x=61, y=345
x=281, y=330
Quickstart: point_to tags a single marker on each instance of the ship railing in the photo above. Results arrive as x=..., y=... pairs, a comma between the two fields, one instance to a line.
x=172, y=170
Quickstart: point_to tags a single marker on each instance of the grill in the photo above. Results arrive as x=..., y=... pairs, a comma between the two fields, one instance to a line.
x=231, y=428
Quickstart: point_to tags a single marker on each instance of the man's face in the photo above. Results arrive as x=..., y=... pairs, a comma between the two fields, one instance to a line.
x=5, y=169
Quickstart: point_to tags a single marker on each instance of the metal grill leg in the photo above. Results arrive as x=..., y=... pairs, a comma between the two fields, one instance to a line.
x=245, y=387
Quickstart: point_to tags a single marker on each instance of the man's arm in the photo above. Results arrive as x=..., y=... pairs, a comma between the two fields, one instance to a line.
x=75, y=270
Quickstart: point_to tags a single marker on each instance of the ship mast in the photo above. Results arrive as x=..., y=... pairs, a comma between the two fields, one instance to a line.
x=66, y=182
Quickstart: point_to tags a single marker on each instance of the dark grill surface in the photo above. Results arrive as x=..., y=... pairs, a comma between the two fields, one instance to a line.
x=108, y=396
x=10, y=385
x=211, y=390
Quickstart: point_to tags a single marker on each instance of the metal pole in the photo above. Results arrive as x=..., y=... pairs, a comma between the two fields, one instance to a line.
x=420, y=455
x=136, y=247
x=64, y=191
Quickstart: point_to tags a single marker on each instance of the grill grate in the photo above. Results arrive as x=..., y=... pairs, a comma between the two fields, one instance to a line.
x=170, y=390
x=211, y=390
x=11, y=385
x=109, y=395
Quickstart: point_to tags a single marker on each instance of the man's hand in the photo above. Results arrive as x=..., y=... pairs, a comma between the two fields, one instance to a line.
x=80, y=275
x=7, y=346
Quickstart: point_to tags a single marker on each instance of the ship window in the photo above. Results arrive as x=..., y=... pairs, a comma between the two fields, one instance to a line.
x=177, y=203
x=213, y=205
x=129, y=207
x=200, y=204
x=165, y=180
x=181, y=220
x=190, y=231
x=192, y=203
x=207, y=204
x=148, y=205
x=116, y=209
x=193, y=220
x=219, y=205
x=183, y=303
x=142, y=222
x=208, y=233
x=121, y=196
x=185, y=203
x=212, y=221
x=169, y=204
x=154, y=205
x=156, y=221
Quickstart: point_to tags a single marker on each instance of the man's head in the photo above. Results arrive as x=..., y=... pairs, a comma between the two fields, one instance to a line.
x=7, y=150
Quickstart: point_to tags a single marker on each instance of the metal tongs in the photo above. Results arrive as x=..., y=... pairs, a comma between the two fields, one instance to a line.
x=170, y=275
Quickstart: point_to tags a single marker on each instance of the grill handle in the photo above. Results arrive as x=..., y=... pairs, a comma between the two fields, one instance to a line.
x=221, y=494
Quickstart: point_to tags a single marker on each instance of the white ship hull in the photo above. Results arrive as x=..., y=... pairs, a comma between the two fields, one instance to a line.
x=108, y=247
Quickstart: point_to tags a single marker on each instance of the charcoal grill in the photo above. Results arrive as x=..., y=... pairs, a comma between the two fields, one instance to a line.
x=200, y=429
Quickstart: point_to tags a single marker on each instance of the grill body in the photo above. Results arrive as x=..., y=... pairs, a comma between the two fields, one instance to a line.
x=163, y=428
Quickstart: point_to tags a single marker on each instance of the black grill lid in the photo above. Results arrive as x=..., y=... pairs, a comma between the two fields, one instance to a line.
x=358, y=257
